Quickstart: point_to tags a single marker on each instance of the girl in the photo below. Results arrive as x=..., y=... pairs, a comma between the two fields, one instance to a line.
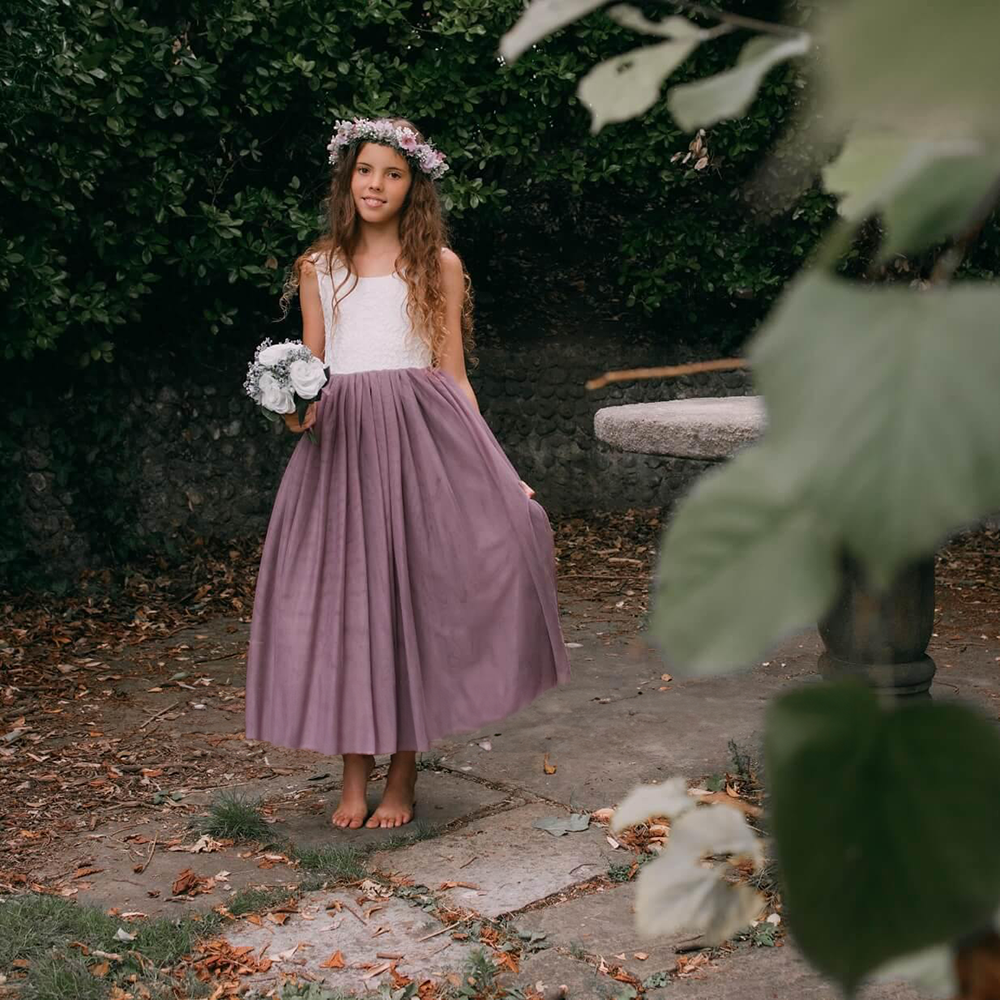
x=407, y=585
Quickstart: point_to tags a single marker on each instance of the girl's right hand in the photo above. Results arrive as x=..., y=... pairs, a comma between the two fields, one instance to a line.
x=292, y=420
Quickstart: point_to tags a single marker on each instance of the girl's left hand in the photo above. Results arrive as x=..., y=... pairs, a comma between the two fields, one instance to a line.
x=527, y=489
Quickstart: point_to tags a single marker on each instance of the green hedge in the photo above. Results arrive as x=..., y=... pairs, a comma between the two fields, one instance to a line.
x=162, y=164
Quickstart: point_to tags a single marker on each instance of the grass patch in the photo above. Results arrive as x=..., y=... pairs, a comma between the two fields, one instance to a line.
x=748, y=769
x=310, y=991
x=236, y=816
x=342, y=863
x=413, y=834
x=251, y=900
x=480, y=977
x=620, y=873
x=39, y=929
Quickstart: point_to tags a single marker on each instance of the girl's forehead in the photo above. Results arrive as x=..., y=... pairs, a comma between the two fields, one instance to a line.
x=381, y=156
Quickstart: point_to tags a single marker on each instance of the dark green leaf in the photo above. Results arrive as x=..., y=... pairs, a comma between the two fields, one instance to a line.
x=886, y=824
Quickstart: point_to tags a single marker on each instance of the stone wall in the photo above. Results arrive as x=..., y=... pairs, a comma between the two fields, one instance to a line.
x=533, y=397
x=202, y=461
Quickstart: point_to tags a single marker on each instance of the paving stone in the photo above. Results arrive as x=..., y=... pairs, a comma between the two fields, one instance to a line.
x=442, y=798
x=511, y=863
x=767, y=974
x=605, y=737
x=602, y=924
x=360, y=943
x=550, y=969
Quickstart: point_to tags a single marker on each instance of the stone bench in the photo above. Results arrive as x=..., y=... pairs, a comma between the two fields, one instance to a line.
x=881, y=637
x=701, y=428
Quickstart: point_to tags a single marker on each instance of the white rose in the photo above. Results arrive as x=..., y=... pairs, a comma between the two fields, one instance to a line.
x=308, y=377
x=276, y=352
x=274, y=396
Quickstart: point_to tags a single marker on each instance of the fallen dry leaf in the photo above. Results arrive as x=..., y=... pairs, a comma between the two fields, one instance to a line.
x=190, y=883
x=547, y=767
x=724, y=799
x=689, y=964
x=335, y=961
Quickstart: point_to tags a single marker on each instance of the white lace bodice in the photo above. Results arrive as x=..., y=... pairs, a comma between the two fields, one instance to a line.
x=372, y=328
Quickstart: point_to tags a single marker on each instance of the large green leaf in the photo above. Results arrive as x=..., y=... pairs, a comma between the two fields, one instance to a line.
x=884, y=400
x=729, y=94
x=921, y=66
x=926, y=190
x=745, y=561
x=627, y=85
x=885, y=822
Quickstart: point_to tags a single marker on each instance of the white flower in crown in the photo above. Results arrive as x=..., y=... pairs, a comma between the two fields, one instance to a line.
x=384, y=132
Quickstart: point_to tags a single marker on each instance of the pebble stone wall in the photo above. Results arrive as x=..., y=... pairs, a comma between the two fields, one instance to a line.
x=203, y=462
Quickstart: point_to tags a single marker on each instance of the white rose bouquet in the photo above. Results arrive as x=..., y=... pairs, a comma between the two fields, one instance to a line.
x=285, y=378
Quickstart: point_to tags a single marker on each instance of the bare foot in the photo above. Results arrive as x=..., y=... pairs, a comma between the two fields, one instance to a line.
x=396, y=807
x=353, y=808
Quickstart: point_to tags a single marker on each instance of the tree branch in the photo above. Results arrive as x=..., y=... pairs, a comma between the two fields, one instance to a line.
x=738, y=20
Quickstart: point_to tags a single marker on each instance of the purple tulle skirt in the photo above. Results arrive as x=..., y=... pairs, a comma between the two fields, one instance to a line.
x=407, y=587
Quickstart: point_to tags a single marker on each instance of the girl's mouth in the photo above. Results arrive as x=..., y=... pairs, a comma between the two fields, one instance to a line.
x=373, y=202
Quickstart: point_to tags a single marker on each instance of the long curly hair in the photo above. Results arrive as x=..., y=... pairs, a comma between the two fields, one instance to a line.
x=422, y=234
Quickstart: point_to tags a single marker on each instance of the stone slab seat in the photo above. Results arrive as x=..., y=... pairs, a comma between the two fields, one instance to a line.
x=703, y=428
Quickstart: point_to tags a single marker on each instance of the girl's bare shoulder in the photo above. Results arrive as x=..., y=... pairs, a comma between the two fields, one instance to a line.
x=450, y=260
x=317, y=260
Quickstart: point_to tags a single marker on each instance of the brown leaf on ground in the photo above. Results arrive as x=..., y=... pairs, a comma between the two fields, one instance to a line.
x=100, y=970
x=624, y=976
x=190, y=883
x=547, y=767
x=456, y=885
x=217, y=958
x=505, y=960
x=688, y=965
x=335, y=961
x=726, y=799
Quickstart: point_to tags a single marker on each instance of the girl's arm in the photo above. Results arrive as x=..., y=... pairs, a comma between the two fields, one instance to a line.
x=453, y=354
x=313, y=336
x=453, y=351
x=313, y=331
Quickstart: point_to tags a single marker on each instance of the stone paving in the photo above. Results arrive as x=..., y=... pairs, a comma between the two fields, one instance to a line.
x=479, y=855
x=611, y=728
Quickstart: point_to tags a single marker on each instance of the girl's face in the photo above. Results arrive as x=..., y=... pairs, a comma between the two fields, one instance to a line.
x=380, y=182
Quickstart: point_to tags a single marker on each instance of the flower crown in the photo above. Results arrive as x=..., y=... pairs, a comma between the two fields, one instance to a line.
x=384, y=132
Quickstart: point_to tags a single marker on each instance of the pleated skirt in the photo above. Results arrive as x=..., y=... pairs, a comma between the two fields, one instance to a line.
x=407, y=587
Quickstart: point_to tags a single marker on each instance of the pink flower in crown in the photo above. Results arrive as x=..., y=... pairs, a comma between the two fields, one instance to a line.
x=408, y=141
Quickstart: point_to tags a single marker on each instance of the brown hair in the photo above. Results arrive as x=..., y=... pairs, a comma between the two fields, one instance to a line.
x=422, y=234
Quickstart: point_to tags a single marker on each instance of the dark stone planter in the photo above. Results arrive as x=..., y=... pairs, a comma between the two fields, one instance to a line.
x=882, y=637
